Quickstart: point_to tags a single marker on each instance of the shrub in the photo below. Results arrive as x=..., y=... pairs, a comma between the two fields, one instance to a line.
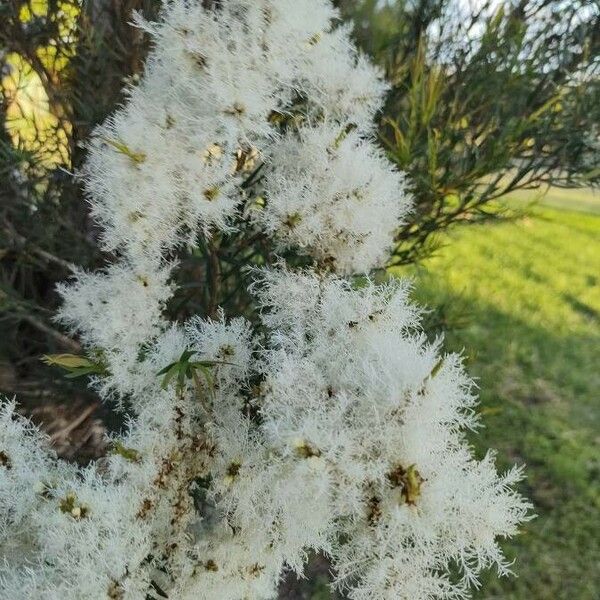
x=325, y=422
x=484, y=102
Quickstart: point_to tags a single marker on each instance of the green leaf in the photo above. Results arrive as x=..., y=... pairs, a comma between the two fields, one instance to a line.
x=66, y=361
x=76, y=365
x=136, y=157
x=169, y=373
x=183, y=369
x=436, y=368
x=130, y=454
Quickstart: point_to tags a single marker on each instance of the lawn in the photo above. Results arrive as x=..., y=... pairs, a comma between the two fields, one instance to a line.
x=522, y=301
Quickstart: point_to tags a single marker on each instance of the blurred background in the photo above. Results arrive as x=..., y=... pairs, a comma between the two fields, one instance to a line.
x=494, y=113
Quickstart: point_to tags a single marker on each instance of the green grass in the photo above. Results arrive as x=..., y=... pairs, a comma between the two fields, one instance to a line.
x=579, y=200
x=522, y=301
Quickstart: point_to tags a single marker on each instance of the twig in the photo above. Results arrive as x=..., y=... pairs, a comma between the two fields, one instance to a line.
x=20, y=240
x=214, y=279
x=60, y=338
x=65, y=431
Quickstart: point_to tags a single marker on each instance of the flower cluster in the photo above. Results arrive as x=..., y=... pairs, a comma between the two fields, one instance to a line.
x=332, y=194
x=333, y=426
x=353, y=386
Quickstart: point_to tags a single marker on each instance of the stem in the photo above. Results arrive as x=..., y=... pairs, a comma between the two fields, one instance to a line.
x=61, y=339
x=214, y=279
x=22, y=241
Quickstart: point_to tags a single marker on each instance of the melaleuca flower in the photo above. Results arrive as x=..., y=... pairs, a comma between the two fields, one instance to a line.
x=334, y=195
x=317, y=417
x=164, y=165
x=353, y=384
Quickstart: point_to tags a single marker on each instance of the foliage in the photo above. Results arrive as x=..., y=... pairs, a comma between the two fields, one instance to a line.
x=484, y=102
x=77, y=366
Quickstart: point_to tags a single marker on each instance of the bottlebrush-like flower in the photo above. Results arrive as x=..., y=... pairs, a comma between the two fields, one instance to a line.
x=334, y=195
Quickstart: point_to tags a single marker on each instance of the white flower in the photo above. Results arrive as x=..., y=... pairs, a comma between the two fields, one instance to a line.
x=355, y=381
x=333, y=194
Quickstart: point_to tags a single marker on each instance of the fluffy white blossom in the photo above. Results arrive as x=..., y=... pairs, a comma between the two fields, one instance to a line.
x=334, y=195
x=167, y=163
x=327, y=421
x=353, y=386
